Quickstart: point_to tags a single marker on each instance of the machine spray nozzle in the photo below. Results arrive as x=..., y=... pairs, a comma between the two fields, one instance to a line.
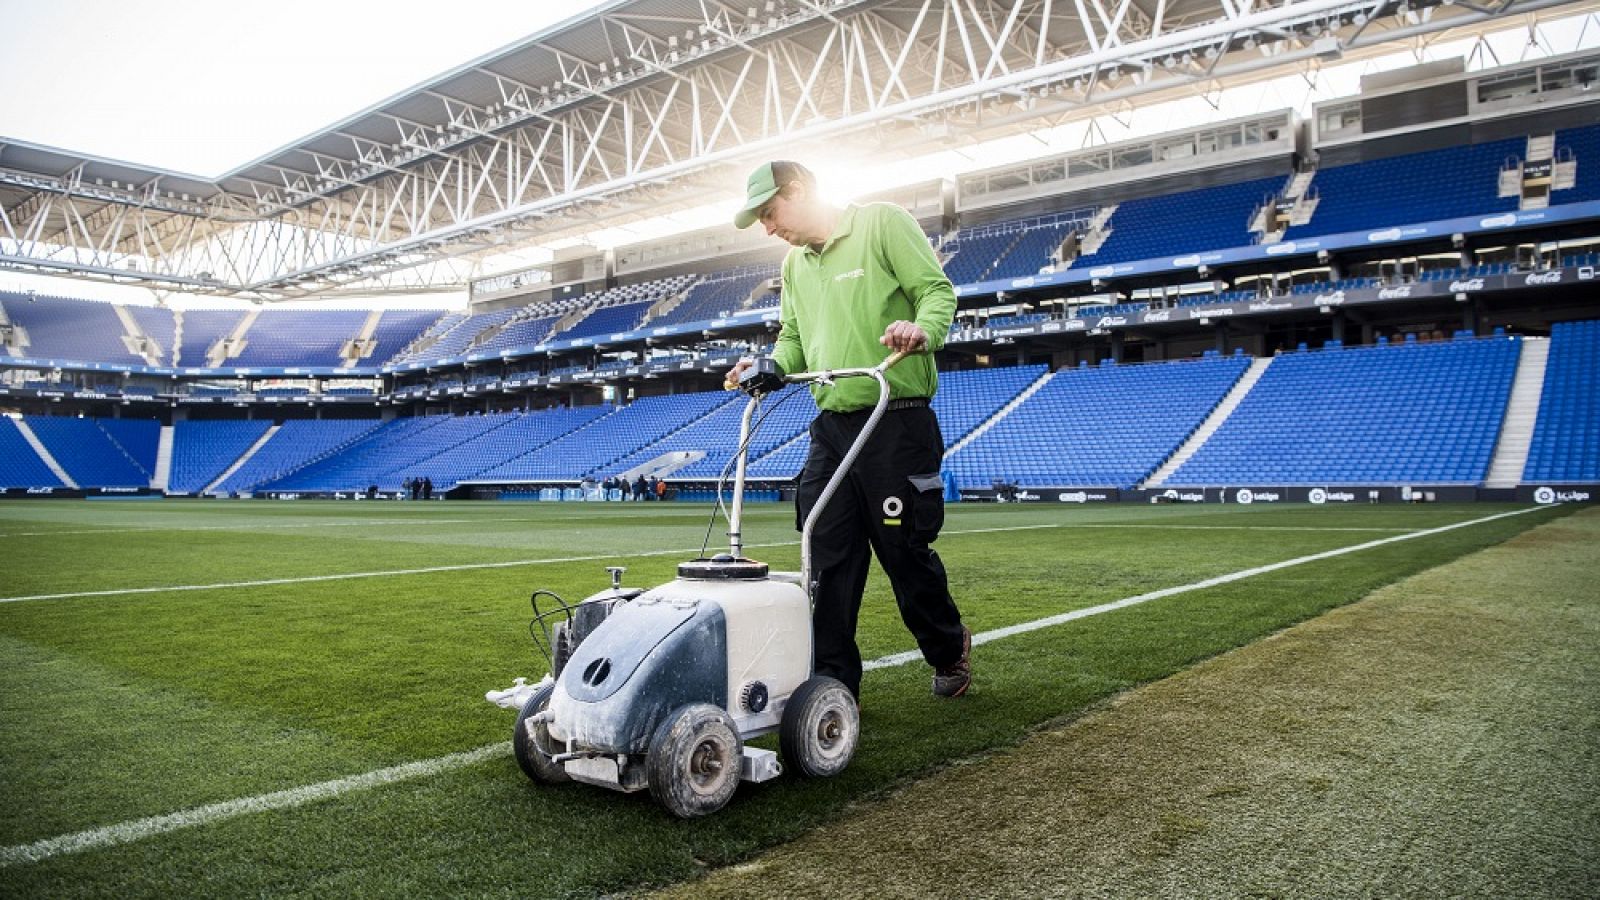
x=616, y=576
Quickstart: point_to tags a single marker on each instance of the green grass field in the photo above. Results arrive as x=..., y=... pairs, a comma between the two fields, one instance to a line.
x=165, y=656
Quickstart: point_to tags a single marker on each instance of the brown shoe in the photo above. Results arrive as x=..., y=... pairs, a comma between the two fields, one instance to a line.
x=954, y=679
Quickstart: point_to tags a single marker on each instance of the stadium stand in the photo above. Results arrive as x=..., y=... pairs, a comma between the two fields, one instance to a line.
x=964, y=401
x=462, y=335
x=518, y=436
x=20, y=466
x=718, y=295
x=138, y=438
x=88, y=452
x=299, y=337
x=199, y=329
x=1103, y=427
x=599, y=444
x=1417, y=187
x=160, y=325
x=295, y=445
x=1425, y=413
x=202, y=450
x=366, y=456
x=608, y=320
x=1174, y=224
x=396, y=330
x=59, y=328
x=1566, y=437
x=422, y=346
x=1583, y=146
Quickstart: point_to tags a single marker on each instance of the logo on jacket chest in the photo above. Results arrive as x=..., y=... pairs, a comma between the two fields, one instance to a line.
x=852, y=274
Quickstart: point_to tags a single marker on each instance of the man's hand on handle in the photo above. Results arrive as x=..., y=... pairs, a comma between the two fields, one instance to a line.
x=730, y=381
x=903, y=336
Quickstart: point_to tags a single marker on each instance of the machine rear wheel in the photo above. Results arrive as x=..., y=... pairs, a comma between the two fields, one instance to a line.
x=820, y=727
x=694, y=761
x=531, y=744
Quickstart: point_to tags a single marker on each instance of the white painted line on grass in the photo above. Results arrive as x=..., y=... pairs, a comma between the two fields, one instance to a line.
x=111, y=835
x=138, y=829
x=467, y=567
x=1025, y=627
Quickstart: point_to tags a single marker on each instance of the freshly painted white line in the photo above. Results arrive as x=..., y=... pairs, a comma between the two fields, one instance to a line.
x=137, y=829
x=1025, y=627
x=466, y=567
x=122, y=833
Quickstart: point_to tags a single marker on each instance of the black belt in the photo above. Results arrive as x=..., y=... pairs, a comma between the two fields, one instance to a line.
x=908, y=403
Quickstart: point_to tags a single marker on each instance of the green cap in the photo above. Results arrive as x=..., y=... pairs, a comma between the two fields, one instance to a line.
x=764, y=184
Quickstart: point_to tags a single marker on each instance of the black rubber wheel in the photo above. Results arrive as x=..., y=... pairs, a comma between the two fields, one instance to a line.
x=820, y=727
x=694, y=761
x=531, y=749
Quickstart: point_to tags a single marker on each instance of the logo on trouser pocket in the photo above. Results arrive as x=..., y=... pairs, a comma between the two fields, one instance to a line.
x=892, y=508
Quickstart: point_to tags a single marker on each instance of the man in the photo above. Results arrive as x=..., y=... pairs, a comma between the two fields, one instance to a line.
x=858, y=283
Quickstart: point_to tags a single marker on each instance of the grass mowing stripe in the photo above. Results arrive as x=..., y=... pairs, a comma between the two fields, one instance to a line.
x=142, y=828
x=462, y=567
x=124, y=832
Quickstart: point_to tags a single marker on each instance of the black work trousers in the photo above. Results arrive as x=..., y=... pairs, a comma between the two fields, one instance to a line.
x=892, y=502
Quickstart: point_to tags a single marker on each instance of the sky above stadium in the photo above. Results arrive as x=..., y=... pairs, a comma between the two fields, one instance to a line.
x=202, y=87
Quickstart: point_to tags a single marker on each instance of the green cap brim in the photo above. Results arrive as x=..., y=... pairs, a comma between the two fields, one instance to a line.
x=752, y=209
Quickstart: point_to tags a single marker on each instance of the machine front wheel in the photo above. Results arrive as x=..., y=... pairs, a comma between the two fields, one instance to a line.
x=820, y=727
x=531, y=743
x=694, y=761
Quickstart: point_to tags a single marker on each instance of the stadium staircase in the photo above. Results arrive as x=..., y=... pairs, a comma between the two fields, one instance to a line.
x=163, y=473
x=1522, y=413
x=137, y=342
x=1212, y=422
x=243, y=458
x=351, y=353
x=44, y=453
x=233, y=343
x=1001, y=413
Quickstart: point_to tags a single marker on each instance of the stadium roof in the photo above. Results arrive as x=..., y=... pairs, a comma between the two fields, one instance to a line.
x=649, y=105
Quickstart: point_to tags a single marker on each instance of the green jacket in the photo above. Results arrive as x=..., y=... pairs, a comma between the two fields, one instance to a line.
x=876, y=268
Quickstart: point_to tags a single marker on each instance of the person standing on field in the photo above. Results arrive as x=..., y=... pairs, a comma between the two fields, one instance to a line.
x=858, y=284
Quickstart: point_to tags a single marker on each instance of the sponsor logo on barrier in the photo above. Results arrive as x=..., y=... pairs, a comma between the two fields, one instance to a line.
x=1543, y=278
x=1470, y=284
x=1102, y=271
x=1504, y=221
x=1029, y=281
x=1551, y=495
x=1050, y=326
x=1334, y=299
x=1183, y=496
x=1268, y=305
x=1586, y=273
x=41, y=490
x=1281, y=248
x=1074, y=325
x=1211, y=313
x=1164, y=315
x=1395, y=293
x=1388, y=234
x=1320, y=496
x=1190, y=260
x=1081, y=496
x=1027, y=495
x=119, y=490
x=1111, y=321
x=1247, y=496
